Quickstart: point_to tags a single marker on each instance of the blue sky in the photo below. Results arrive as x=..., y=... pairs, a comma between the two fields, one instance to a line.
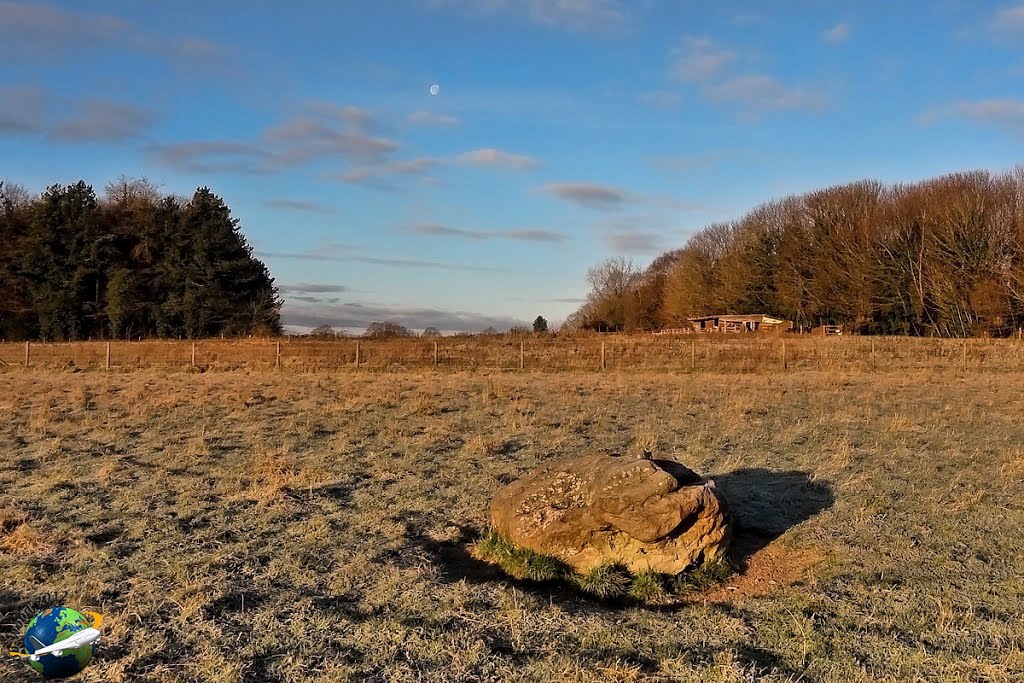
x=563, y=131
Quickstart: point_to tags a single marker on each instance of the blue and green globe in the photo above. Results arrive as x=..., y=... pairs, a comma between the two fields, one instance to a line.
x=51, y=626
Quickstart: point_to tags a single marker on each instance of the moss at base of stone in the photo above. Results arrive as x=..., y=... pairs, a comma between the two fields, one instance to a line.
x=611, y=581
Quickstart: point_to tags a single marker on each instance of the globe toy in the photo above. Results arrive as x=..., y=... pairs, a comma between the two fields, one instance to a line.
x=59, y=641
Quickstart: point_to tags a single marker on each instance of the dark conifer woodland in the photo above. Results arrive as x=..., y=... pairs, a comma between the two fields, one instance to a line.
x=943, y=257
x=129, y=264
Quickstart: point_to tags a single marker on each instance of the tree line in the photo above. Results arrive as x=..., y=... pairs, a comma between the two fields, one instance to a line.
x=130, y=263
x=942, y=257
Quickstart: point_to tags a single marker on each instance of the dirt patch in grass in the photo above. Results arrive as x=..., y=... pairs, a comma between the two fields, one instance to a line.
x=766, y=571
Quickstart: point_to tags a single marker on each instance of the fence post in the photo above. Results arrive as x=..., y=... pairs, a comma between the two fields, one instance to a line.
x=277, y=358
x=192, y=361
x=435, y=354
x=602, y=356
x=108, y=355
x=785, y=364
x=27, y=352
x=522, y=355
x=357, y=355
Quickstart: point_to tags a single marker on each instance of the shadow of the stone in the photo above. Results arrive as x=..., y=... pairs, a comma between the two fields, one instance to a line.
x=764, y=504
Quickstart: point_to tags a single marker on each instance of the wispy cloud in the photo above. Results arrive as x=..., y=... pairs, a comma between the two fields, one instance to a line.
x=586, y=15
x=635, y=242
x=839, y=33
x=312, y=288
x=303, y=140
x=1007, y=114
x=1008, y=22
x=342, y=253
x=699, y=59
x=100, y=121
x=760, y=93
x=381, y=176
x=704, y=63
x=22, y=110
x=496, y=157
x=589, y=195
x=299, y=205
x=323, y=132
x=212, y=156
x=426, y=118
x=687, y=163
x=32, y=110
x=34, y=32
x=665, y=100
x=523, y=235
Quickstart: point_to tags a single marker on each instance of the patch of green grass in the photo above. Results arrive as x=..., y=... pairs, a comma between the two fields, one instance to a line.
x=520, y=563
x=701, y=577
x=605, y=581
x=648, y=586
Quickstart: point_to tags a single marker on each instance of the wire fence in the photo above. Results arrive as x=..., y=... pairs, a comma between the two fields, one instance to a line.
x=704, y=353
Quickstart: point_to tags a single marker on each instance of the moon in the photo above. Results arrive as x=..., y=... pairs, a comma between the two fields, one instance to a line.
x=434, y=89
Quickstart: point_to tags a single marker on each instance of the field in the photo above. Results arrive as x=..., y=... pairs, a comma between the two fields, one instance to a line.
x=253, y=524
x=543, y=353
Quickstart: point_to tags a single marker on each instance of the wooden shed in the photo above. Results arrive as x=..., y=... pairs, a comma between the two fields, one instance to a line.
x=739, y=323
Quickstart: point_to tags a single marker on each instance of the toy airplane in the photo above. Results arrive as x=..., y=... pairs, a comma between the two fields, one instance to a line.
x=87, y=636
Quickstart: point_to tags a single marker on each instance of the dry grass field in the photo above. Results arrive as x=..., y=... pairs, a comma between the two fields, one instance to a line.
x=260, y=525
x=561, y=353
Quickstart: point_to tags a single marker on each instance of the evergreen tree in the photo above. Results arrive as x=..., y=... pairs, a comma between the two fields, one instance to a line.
x=133, y=264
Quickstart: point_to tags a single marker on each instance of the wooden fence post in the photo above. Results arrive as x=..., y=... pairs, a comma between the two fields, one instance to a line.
x=357, y=355
x=435, y=354
x=108, y=355
x=192, y=363
x=277, y=358
x=522, y=355
x=27, y=352
x=603, y=366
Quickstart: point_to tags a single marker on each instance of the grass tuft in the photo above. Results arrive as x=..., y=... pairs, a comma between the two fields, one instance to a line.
x=648, y=586
x=606, y=581
x=520, y=563
x=701, y=577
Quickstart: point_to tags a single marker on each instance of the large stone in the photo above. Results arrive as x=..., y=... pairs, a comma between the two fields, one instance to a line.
x=602, y=509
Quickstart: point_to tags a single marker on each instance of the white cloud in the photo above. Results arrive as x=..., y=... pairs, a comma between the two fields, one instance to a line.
x=635, y=242
x=704, y=63
x=700, y=60
x=585, y=15
x=495, y=157
x=299, y=205
x=759, y=92
x=426, y=118
x=589, y=195
x=1003, y=113
x=1009, y=21
x=522, y=235
x=839, y=33
x=661, y=99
